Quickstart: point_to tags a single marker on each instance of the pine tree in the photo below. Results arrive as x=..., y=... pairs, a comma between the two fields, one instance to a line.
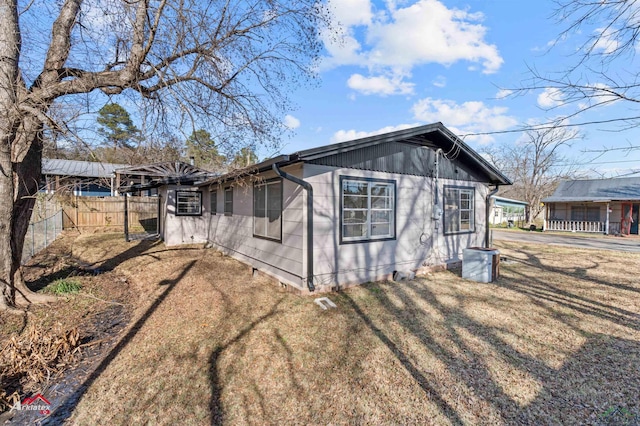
x=118, y=130
x=204, y=151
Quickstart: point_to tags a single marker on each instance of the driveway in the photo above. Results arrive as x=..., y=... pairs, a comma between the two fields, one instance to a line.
x=629, y=244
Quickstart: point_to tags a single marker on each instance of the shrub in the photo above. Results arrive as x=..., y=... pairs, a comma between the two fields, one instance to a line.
x=64, y=286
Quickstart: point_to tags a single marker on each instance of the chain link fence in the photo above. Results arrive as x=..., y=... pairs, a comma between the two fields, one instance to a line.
x=45, y=226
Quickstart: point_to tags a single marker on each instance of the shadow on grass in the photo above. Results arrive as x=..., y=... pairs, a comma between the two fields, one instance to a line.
x=534, y=261
x=77, y=267
x=406, y=362
x=540, y=291
x=597, y=384
x=215, y=405
x=64, y=411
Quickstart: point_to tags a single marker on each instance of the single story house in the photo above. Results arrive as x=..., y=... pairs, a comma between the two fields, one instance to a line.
x=608, y=206
x=83, y=178
x=343, y=214
x=507, y=210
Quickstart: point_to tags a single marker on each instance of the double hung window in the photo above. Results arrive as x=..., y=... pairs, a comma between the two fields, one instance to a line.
x=368, y=209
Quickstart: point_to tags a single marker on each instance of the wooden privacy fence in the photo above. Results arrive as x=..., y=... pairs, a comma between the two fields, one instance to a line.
x=108, y=212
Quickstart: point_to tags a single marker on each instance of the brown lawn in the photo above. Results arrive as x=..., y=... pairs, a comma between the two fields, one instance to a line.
x=555, y=340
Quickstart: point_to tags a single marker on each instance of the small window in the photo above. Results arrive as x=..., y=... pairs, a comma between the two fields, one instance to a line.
x=188, y=203
x=368, y=209
x=267, y=210
x=228, y=201
x=459, y=210
x=213, y=200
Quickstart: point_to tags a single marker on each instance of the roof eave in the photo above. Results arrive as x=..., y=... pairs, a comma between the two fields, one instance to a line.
x=496, y=177
x=281, y=160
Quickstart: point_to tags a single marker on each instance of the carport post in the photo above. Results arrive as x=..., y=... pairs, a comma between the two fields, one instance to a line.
x=606, y=224
x=159, y=214
x=126, y=219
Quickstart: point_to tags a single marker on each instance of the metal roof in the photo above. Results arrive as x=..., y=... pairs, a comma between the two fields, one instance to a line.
x=434, y=136
x=79, y=168
x=165, y=169
x=167, y=173
x=615, y=189
x=502, y=201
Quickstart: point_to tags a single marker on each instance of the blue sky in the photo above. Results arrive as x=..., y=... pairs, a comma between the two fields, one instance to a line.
x=403, y=63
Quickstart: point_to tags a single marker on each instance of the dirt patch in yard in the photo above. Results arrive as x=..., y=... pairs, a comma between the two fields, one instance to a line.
x=555, y=340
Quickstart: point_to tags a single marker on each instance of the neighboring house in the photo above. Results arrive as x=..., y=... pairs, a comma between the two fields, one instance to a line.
x=345, y=213
x=608, y=206
x=84, y=178
x=506, y=210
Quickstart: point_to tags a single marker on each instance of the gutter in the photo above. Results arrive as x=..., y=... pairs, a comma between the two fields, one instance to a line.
x=307, y=187
x=487, y=235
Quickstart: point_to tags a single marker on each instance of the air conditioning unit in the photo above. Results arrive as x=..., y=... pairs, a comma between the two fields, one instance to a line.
x=480, y=264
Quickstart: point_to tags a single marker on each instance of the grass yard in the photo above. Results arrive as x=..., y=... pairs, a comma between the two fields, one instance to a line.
x=555, y=340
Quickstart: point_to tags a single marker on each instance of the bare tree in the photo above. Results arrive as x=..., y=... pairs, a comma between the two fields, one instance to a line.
x=604, y=68
x=535, y=165
x=223, y=64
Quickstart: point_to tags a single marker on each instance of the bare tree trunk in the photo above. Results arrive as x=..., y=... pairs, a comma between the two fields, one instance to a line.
x=27, y=176
x=7, y=291
x=9, y=54
x=20, y=164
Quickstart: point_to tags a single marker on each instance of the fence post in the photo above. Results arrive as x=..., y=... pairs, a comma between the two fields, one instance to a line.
x=46, y=232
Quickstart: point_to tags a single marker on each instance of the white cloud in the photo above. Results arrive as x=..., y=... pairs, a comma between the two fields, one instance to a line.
x=606, y=41
x=291, y=122
x=550, y=98
x=351, y=12
x=503, y=93
x=339, y=39
x=468, y=117
x=600, y=95
x=440, y=81
x=592, y=95
x=434, y=34
x=383, y=86
x=348, y=135
x=403, y=37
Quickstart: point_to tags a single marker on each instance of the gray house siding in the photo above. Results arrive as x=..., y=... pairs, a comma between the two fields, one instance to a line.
x=416, y=244
x=233, y=235
x=180, y=229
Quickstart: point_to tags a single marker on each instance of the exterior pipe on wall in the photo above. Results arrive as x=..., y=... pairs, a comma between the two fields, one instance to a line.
x=307, y=187
x=487, y=234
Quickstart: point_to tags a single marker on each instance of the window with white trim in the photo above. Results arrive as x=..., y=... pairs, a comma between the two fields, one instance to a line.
x=188, y=203
x=368, y=209
x=267, y=210
x=459, y=210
